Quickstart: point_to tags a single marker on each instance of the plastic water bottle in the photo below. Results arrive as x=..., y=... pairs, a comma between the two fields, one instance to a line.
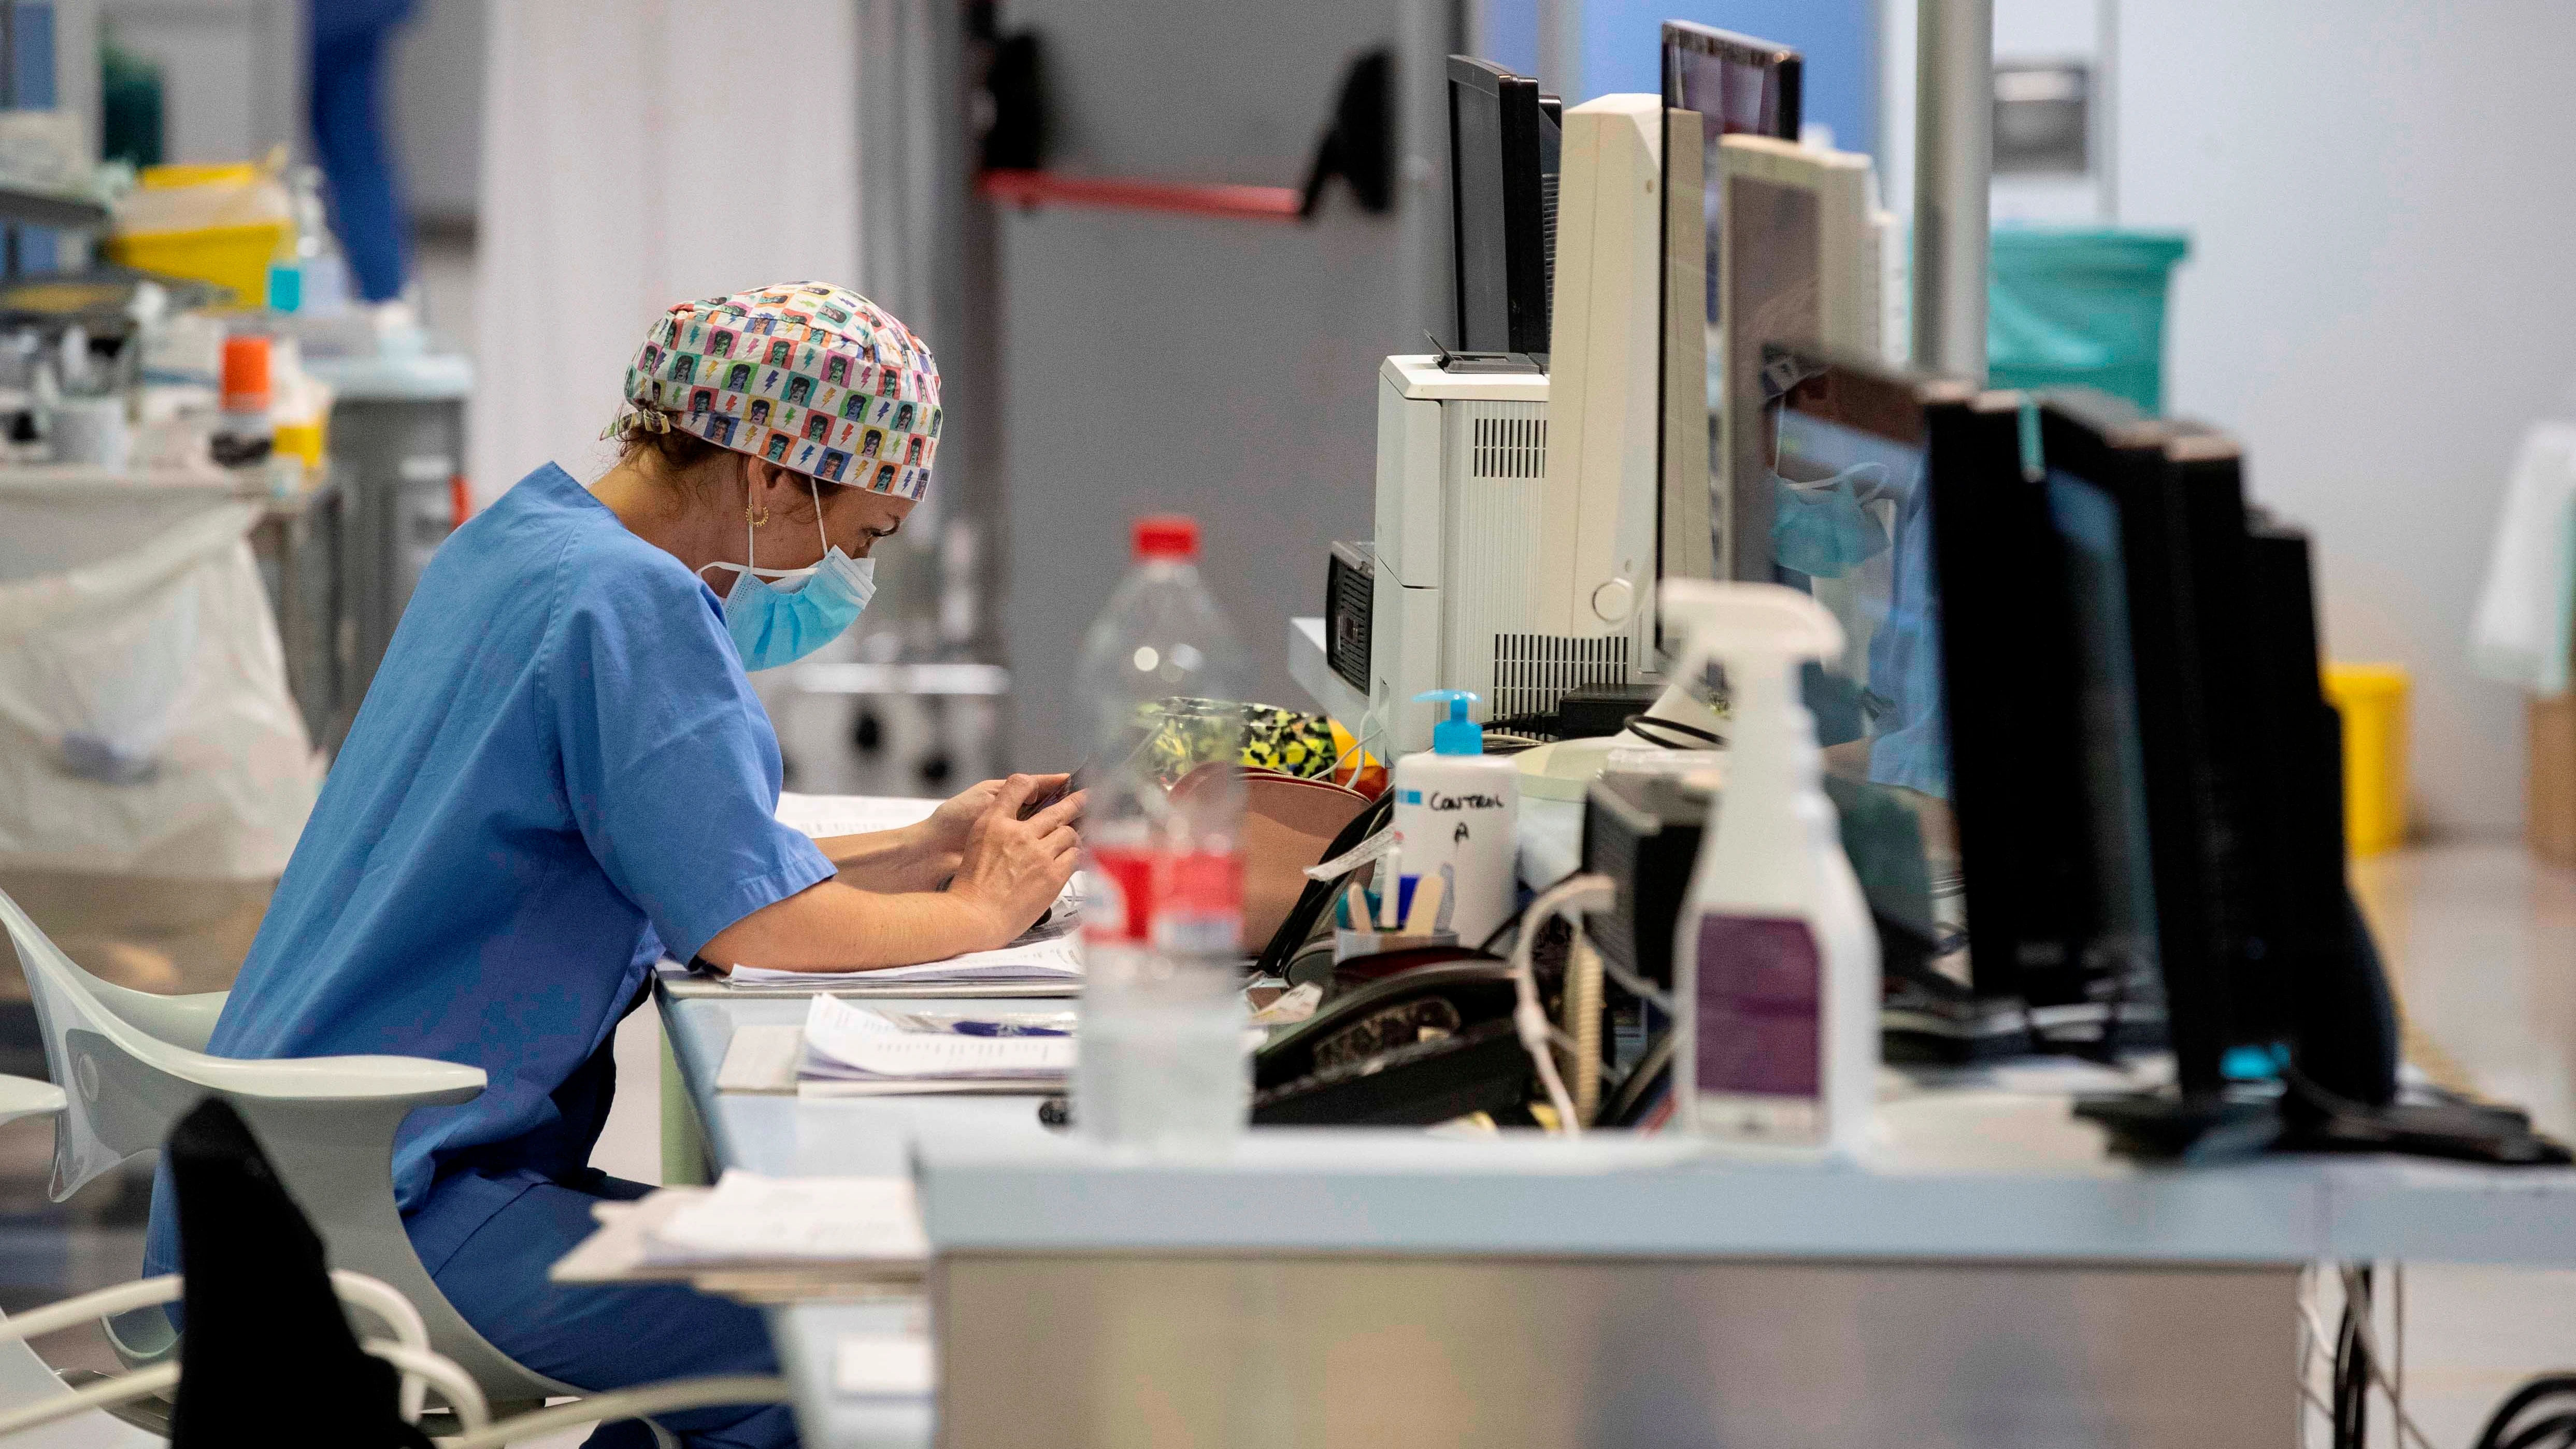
x=1161, y=1062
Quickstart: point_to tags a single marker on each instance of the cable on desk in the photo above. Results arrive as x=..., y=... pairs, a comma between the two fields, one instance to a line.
x=1529, y=1018
x=2359, y=1363
x=2538, y=1434
x=1648, y=728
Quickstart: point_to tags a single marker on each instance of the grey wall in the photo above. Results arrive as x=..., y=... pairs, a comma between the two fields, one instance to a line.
x=2379, y=299
x=232, y=72
x=436, y=107
x=1152, y=363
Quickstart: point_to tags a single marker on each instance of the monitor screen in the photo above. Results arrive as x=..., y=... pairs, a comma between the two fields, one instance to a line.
x=1499, y=164
x=1777, y=287
x=1848, y=460
x=1737, y=85
x=2108, y=723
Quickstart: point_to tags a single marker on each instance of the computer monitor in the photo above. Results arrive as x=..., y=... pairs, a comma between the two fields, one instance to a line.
x=1798, y=263
x=2161, y=584
x=1503, y=145
x=1863, y=452
x=2213, y=765
x=1737, y=84
x=1734, y=85
x=2016, y=764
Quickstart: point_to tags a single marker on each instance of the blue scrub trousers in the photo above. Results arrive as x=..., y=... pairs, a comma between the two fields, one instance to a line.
x=609, y=1338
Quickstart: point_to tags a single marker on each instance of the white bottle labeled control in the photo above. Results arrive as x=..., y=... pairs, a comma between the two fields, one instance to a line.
x=1454, y=810
x=1775, y=962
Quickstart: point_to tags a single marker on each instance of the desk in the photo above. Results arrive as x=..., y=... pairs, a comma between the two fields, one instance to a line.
x=1987, y=1279
x=2018, y=1292
x=786, y=1136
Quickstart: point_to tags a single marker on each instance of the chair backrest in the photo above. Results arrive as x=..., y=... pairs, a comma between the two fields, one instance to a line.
x=25, y=1378
x=326, y=1123
x=99, y=1129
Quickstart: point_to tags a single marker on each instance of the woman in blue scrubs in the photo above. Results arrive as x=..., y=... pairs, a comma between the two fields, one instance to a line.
x=561, y=774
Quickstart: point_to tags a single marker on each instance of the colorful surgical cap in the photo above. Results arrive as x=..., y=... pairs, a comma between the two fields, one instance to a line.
x=811, y=376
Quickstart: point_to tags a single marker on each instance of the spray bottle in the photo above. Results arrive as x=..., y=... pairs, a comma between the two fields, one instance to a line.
x=1775, y=962
x=1454, y=810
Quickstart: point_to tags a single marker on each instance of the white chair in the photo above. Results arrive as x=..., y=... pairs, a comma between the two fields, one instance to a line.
x=25, y=1378
x=407, y=1349
x=131, y=1064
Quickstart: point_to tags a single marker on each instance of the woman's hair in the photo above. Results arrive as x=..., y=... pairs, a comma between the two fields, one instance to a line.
x=682, y=455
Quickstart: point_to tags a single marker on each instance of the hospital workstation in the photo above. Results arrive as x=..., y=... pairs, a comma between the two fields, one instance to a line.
x=1499, y=723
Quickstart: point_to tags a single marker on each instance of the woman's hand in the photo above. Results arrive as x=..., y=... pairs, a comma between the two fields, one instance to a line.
x=1011, y=868
x=943, y=836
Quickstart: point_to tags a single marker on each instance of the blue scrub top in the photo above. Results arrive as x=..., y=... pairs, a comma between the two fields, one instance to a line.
x=559, y=771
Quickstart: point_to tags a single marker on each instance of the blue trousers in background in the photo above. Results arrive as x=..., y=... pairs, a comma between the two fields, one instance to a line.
x=609, y=1338
x=346, y=89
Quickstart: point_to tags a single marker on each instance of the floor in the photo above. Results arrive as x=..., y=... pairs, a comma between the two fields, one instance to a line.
x=2480, y=942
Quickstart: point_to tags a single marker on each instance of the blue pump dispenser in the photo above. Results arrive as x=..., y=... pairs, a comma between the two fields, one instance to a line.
x=1457, y=734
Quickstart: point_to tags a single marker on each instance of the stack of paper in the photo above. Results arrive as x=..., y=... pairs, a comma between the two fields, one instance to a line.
x=752, y=1219
x=1055, y=959
x=852, y=1051
x=822, y=816
x=1043, y=955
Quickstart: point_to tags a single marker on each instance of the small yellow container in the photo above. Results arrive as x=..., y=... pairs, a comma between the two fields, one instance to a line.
x=306, y=440
x=228, y=256
x=2372, y=701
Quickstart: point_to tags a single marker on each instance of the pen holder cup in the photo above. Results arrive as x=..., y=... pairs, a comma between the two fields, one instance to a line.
x=1348, y=944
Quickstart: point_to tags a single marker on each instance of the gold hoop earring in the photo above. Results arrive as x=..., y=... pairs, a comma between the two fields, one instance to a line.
x=756, y=520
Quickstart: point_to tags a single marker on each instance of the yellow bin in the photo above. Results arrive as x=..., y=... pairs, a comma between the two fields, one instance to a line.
x=228, y=256
x=2372, y=700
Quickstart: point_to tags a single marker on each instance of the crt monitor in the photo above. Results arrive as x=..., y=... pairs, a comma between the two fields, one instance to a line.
x=1860, y=451
x=1740, y=86
x=1503, y=144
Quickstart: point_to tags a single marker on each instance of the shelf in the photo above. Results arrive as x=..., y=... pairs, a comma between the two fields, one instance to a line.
x=1119, y=193
x=62, y=211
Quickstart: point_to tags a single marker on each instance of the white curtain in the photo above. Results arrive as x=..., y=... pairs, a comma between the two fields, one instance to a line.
x=638, y=153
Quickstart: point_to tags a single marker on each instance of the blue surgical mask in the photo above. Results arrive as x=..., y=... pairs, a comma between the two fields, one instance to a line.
x=772, y=626
x=1820, y=529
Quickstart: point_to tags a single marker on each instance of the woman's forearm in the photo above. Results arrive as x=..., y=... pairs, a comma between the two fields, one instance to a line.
x=890, y=861
x=836, y=926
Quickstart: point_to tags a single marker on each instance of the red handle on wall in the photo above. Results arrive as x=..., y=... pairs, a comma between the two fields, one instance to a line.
x=1119, y=193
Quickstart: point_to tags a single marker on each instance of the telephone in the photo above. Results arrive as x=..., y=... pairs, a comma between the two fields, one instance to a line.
x=1421, y=1043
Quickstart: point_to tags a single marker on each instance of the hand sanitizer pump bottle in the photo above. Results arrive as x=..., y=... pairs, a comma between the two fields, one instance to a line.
x=1775, y=963
x=1454, y=810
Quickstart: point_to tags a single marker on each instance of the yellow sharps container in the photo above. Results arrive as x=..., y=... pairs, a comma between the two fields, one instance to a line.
x=2372, y=700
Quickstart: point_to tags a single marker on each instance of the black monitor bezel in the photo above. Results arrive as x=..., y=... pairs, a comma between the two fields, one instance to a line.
x=1784, y=61
x=2170, y=541
x=1963, y=434
x=1518, y=126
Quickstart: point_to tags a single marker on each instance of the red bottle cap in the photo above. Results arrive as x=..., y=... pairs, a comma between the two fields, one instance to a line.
x=246, y=381
x=1167, y=535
